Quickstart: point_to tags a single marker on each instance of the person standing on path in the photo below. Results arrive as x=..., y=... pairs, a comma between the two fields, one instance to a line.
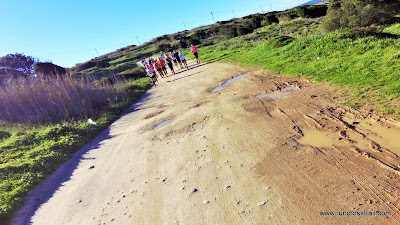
x=174, y=58
x=169, y=62
x=158, y=67
x=162, y=63
x=176, y=54
x=194, y=50
x=151, y=74
x=183, y=59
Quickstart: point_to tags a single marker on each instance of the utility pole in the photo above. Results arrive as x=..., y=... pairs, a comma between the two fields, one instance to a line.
x=138, y=40
x=234, y=16
x=184, y=25
x=212, y=16
x=262, y=10
x=270, y=6
x=97, y=53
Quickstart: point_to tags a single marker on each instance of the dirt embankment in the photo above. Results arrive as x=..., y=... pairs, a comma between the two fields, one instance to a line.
x=265, y=150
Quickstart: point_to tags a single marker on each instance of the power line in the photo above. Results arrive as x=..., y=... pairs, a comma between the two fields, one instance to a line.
x=138, y=40
x=212, y=16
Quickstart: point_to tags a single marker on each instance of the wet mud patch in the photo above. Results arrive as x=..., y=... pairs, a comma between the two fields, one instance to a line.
x=151, y=115
x=278, y=94
x=229, y=82
x=163, y=124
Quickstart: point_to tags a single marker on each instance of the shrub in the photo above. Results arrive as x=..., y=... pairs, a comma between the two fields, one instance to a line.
x=195, y=41
x=102, y=64
x=48, y=69
x=244, y=30
x=360, y=13
x=284, y=18
x=183, y=44
x=4, y=134
x=163, y=47
x=228, y=32
x=255, y=22
x=270, y=19
x=301, y=11
x=87, y=65
x=315, y=11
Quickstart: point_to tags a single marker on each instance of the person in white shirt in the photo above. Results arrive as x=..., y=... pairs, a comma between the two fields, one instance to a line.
x=183, y=59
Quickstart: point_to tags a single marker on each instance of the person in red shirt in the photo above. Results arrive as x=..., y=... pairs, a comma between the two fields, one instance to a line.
x=162, y=63
x=152, y=67
x=158, y=67
x=194, y=50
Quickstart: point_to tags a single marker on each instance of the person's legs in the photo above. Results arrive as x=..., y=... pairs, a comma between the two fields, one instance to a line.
x=184, y=62
x=197, y=57
x=165, y=71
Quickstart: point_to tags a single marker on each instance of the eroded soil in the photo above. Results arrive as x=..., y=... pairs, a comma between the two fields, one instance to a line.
x=230, y=157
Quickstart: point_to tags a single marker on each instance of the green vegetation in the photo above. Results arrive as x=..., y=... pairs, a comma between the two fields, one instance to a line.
x=367, y=65
x=31, y=153
x=361, y=54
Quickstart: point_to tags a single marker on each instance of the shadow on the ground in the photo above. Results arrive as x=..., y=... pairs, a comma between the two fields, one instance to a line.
x=43, y=192
x=184, y=76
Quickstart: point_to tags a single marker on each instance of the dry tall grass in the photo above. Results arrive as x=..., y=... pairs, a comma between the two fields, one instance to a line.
x=51, y=99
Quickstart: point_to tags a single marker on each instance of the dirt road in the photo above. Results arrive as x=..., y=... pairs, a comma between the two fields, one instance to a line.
x=265, y=150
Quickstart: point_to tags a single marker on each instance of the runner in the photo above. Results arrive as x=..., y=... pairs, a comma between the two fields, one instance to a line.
x=174, y=58
x=178, y=59
x=162, y=57
x=151, y=74
x=194, y=50
x=183, y=59
x=144, y=63
x=152, y=60
x=158, y=67
x=169, y=62
x=152, y=67
x=164, y=69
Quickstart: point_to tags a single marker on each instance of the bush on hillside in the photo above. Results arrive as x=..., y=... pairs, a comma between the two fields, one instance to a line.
x=270, y=19
x=48, y=69
x=228, y=32
x=301, y=11
x=87, y=65
x=256, y=22
x=355, y=14
x=244, y=30
x=102, y=64
x=163, y=47
x=183, y=44
x=311, y=11
x=284, y=18
x=4, y=134
x=194, y=41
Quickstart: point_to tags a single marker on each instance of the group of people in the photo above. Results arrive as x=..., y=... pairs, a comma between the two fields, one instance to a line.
x=157, y=67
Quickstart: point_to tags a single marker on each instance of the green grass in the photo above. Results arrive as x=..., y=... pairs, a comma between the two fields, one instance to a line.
x=28, y=154
x=368, y=66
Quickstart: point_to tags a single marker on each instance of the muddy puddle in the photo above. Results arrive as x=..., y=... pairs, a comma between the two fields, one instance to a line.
x=163, y=124
x=278, y=94
x=386, y=137
x=368, y=134
x=229, y=82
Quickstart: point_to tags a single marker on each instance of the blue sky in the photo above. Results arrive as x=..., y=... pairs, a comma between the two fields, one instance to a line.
x=68, y=32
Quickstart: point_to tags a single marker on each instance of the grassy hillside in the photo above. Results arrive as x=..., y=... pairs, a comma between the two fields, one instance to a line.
x=368, y=65
x=30, y=153
x=291, y=42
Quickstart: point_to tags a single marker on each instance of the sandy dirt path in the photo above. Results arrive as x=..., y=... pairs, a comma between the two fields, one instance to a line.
x=229, y=157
